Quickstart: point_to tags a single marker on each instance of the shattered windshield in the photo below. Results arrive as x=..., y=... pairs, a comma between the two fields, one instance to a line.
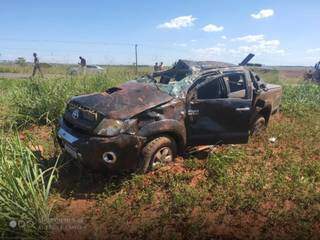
x=174, y=81
x=173, y=88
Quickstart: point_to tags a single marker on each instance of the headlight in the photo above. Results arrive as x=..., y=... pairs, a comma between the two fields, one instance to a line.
x=111, y=127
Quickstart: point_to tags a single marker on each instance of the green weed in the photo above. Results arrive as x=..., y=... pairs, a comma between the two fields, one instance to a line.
x=24, y=190
x=217, y=164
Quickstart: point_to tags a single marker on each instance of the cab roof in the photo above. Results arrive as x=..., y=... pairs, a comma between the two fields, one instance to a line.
x=203, y=65
x=191, y=67
x=199, y=66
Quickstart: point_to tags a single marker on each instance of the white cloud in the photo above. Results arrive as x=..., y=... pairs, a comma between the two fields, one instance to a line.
x=179, y=22
x=180, y=44
x=257, y=45
x=221, y=44
x=224, y=37
x=270, y=43
x=212, y=28
x=264, y=13
x=193, y=40
x=261, y=47
x=210, y=52
x=313, y=50
x=250, y=38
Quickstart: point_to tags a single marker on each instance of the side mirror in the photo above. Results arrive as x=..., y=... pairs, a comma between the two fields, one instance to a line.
x=264, y=87
x=257, y=91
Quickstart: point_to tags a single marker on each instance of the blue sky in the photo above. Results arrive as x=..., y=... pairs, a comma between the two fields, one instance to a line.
x=279, y=32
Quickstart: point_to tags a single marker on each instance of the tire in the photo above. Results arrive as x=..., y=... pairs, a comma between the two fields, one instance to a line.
x=258, y=126
x=160, y=150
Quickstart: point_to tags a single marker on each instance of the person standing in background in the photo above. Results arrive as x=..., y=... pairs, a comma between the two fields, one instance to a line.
x=156, y=67
x=83, y=64
x=36, y=65
x=161, y=66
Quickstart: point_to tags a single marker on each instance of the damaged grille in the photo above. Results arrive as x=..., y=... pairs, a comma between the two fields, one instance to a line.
x=84, y=113
x=81, y=118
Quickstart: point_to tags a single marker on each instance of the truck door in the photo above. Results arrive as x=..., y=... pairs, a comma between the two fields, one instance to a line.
x=219, y=110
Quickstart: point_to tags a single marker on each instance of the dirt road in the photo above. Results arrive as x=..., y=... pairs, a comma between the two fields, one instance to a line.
x=25, y=75
x=14, y=75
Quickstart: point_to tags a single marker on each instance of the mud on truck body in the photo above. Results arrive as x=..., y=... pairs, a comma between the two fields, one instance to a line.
x=148, y=121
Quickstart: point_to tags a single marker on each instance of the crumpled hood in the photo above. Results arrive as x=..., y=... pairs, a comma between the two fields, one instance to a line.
x=125, y=101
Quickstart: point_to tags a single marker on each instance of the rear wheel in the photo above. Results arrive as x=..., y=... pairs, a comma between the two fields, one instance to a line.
x=159, y=151
x=258, y=126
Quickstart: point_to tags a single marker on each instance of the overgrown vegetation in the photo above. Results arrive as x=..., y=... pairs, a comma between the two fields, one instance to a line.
x=22, y=67
x=260, y=190
x=25, y=187
x=41, y=101
x=301, y=100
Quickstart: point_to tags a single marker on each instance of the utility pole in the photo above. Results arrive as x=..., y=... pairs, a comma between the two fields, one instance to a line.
x=136, y=52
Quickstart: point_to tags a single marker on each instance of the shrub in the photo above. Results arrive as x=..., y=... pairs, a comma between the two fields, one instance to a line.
x=21, y=61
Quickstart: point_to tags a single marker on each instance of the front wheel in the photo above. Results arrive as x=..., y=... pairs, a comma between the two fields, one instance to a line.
x=159, y=151
x=258, y=126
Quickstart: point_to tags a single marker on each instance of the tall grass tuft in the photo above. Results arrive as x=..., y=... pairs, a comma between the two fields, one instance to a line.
x=24, y=191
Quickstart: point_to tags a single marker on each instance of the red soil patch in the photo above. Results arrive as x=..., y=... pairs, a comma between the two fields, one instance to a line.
x=71, y=223
x=42, y=132
x=198, y=176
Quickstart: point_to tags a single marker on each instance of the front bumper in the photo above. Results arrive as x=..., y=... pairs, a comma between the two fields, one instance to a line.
x=90, y=149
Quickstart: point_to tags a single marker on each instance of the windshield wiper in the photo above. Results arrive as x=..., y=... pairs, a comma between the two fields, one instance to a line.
x=154, y=81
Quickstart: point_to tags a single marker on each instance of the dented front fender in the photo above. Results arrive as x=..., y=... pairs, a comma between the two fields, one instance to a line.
x=171, y=127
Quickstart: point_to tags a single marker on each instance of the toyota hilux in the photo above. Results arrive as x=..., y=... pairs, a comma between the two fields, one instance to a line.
x=150, y=120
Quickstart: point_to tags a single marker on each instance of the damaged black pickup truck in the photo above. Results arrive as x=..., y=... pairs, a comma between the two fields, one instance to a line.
x=148, y=121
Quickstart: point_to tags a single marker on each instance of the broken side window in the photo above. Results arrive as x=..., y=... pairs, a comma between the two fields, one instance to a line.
x=236, y=83
x=211, y=89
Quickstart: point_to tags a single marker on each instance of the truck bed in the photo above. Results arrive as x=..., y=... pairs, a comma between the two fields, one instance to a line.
x=273, y=96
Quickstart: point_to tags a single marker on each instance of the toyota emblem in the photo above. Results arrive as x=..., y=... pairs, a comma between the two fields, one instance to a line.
x=75, y=114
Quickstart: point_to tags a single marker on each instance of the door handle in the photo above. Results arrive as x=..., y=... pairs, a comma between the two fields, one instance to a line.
x=192, y=112
x=243, y=109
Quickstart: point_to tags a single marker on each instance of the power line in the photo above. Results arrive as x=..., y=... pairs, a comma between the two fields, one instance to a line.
x=116, y=52
x=146, y=45
x=68, y=42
